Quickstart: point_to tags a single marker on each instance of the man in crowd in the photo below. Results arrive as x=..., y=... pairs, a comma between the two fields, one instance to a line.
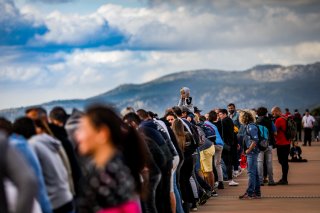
x=282, y=143
x=307, y=123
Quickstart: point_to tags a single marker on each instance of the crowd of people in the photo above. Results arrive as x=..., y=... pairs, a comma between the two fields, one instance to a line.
x=102, y=161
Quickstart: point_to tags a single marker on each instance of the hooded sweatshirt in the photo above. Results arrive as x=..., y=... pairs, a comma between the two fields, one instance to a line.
x=48, y=150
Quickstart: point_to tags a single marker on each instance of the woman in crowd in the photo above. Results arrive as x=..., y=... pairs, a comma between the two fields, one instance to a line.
x=55, y=167
x=251, y=149
x=188, y=146
x=118, y=157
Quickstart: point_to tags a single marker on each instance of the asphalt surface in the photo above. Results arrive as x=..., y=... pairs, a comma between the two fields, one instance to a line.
x=302, y=195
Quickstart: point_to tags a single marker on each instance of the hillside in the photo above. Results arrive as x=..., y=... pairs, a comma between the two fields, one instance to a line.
x=294, y=86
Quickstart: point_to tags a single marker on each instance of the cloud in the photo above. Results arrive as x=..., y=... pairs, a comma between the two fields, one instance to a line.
x=78, y=31
x=181, y=29
x=52, y=1
x=15, y=29
x=116, y=27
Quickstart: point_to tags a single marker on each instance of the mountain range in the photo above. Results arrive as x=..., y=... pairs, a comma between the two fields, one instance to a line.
x=296, y=86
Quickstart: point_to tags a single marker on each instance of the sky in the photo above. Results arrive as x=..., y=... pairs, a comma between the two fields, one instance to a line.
x=69, y=49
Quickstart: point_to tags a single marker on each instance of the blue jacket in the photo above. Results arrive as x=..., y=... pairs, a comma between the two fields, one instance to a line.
x=252, y=136
x=21, y=144
x=219, y=140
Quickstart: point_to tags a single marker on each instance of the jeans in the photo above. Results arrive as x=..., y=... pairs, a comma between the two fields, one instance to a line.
x=253, y=182
x=227, y=159
x=267, y=154
x=298, y=136
x=283, y=154
x=217, y=161
x=307, y=136
x=149, y=205
x=179, y=208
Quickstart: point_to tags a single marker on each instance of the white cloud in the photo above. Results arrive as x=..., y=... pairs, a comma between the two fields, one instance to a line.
x=182, y=29
x=18, y=73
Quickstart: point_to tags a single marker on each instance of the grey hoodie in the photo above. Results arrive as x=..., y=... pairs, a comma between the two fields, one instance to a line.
x=54, y=172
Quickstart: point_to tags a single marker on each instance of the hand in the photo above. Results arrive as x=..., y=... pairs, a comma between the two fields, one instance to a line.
x=238, y=148
x=247, y=151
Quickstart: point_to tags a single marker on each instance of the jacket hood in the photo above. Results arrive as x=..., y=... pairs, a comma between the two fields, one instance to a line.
x=49, y=141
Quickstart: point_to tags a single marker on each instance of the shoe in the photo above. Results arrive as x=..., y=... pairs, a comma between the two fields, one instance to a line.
x=256, y=196
x=220, y=186
x=214, y=193
x=216, y=184
x=245, y=197
x=236, y=173
x=282, y=182
x=194, y=207
x=304, y=145
x=204, y=199
x=233, y=183
x=272, y=184
x=261, y=184
x=265, y=180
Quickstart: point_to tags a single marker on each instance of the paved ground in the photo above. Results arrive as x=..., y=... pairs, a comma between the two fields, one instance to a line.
x=302, y=195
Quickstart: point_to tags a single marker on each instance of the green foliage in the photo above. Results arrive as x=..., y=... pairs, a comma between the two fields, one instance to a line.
x=316, y=111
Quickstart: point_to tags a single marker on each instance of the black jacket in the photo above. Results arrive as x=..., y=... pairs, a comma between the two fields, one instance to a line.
x=226, y=130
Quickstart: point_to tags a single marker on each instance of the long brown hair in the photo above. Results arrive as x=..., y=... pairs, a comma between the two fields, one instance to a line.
x=178, y=130
x=124, y=137
x=40, y=123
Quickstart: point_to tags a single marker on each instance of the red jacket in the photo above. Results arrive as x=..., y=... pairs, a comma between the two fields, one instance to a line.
x=281, y=125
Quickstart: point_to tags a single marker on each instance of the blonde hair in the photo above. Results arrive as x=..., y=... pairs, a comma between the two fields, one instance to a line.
x=247, y=116
x=196, y=118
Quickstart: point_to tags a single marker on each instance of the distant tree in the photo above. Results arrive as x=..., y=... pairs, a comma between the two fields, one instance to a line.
x=316, y=111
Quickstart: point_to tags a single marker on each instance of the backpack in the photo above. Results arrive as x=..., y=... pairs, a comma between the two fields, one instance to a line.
x=206, y=132
x=263, y=134
x=291, y=130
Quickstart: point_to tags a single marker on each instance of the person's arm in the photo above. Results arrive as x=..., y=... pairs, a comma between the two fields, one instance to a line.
x=181, y=102
x=251, y=147
x=22, y=177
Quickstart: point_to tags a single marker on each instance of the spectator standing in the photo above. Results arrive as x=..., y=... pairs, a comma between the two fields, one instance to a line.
x=282, y=143
x=297, y=118
x=307, y=123
x=251, y=149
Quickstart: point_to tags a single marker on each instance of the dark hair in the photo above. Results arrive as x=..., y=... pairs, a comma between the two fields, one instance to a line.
x=24, y=126
x=6, y=126
x=143, y=114
x=170, y=114
x=132, y=117
x=43, y=126
x=152, y=114
x=59, y=114
x=212, y=116
x=125, y=138
x=287, y=109
x=224, y=111
x=232, y=104
x=262, y=111
x=177, y=110
x=202, y=118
